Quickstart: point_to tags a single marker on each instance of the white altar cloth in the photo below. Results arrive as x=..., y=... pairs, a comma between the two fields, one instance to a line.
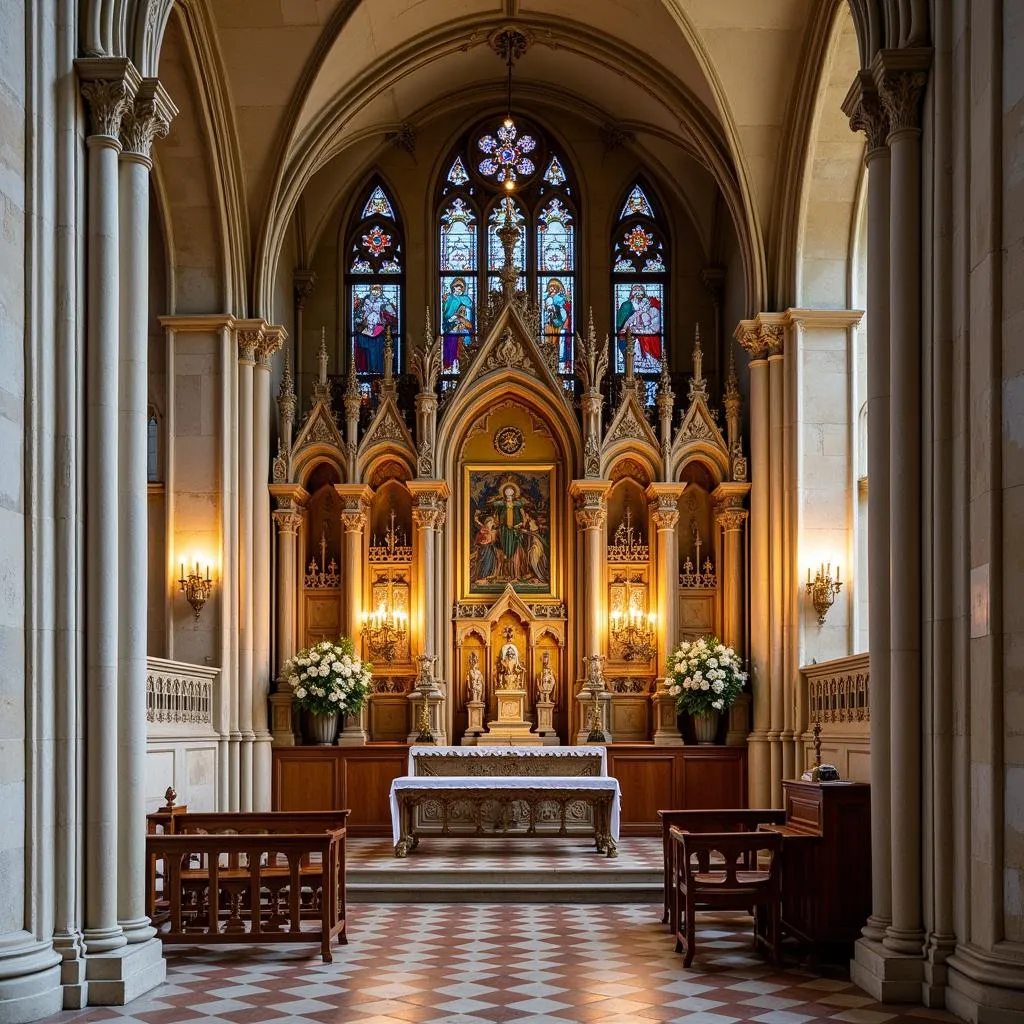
x=580, y=782
x=580, y=751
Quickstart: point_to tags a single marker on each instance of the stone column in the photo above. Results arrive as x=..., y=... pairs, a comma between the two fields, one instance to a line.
x=663, y=502
x=273, y=339
x=303, y=283
x=749, y=336
x=775, y=334
x=148, y=117
x=730, y=515
x=867, y=113
x=900, y=87
x=250, y=337
x=108, y=98
x=355, y=499
x=289, y=515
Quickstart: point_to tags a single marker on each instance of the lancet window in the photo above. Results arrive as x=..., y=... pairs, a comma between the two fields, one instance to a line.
x=640, y=266
x=375, y=282
x=512, y=173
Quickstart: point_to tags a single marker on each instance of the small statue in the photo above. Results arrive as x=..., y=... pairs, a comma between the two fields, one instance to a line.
x=546, y=682
x=595, y=672
x=475, y=678
x=510, y=672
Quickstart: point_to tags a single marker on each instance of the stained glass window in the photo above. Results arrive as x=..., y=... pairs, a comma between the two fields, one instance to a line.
x=511, y=168
x=640, y=286
x=378, y=205
x=375, y=284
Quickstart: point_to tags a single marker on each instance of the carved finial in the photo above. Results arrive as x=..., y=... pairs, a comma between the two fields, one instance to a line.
x=351, y=383
x=698, y=355
x=592, y=361
x=732, y=384
x=287, y=388
x=428, y=330
x=321, y=356
x=508, y=235
x=170, y=796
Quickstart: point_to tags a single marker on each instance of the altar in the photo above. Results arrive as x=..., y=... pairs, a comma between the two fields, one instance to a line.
x=506, y=761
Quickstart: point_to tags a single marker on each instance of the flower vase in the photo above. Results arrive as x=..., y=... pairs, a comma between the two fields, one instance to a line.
x=321, y=729
x=705, y=728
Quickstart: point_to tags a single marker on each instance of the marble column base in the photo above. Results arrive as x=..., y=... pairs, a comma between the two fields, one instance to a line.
x=119, y=977
x=886, y=976
x=983, y=988
x=29, y=979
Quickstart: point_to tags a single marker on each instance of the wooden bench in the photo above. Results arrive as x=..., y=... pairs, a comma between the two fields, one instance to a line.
x=226, y=878
x=502, y=801
x=715, y=820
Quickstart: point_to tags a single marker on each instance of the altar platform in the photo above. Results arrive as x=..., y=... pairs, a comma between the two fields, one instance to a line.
x=540, y=871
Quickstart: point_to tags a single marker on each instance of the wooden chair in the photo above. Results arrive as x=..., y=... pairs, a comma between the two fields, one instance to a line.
x=727, y=819
x=739, y=882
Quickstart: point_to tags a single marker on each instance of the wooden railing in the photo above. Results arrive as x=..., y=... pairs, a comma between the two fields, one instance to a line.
x=253, y=878
x=837, y=694
x=180, y=694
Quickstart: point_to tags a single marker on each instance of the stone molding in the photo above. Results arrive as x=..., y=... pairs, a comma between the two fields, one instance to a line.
x=866, y=112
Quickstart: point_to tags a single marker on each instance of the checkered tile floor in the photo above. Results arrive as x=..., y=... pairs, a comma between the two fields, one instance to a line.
x=533, y=854
x=501, y=963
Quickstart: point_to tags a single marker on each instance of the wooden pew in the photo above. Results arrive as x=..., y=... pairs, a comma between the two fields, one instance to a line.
x=224, y=876
x=717, y=820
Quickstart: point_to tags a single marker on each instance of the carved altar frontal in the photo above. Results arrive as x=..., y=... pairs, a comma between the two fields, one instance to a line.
x=456, y=817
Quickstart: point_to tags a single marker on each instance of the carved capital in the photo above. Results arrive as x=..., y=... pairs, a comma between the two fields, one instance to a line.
x=869, y=116
x=731, y=518
x=590, y=517
x=665, y=512
x=353, y=518
x=288, y=520
x=751, y=341
x=248, y=342
x=773, y=336
x=900, y=92
x=428, y=518
x=148, y=118
x=268, y=345
x=303, y=281
x=108, y=101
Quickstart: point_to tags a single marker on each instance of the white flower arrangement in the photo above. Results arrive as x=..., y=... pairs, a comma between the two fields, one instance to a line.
x=706, y=676
x=328, y=678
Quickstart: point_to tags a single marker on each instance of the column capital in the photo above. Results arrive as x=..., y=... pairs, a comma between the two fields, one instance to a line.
x=148, y=118
x=591, y=502
x=289, y=496
x=729, y=495
x=269, y=344
x=429, y=502
x=109, y=85
x=288, y=520
x=355, y=500
x=663, y=504
x=864, y=108
x=303, y=281
x=249, y=335
x=900, y=77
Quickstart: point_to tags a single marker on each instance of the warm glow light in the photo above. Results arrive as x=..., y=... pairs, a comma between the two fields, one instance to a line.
x=510, y=185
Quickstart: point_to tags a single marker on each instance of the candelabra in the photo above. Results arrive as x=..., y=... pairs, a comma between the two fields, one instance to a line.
x=196, y=588
x=383, y=631
x=633, y=633
x=823, y=589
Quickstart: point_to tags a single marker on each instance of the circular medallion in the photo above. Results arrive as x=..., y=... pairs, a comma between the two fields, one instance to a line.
x=508, y=441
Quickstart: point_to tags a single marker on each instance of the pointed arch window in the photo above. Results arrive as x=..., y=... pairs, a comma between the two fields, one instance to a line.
x=640, y=267
x=474, y=198
x=374, y=282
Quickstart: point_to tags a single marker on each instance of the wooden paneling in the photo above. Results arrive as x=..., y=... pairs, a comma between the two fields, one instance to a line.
x=652, y=779
x=306, y=781
x=713, y=777
x=367, y=784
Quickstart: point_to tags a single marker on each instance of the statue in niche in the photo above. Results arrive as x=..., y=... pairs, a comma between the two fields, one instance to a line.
x=546, y=681
x=475, y=678
x=510, y=671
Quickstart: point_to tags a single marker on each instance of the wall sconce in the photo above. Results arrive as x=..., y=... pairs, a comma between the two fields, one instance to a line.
x=633, y=632
x=823, y=589
x=383, y=632
x=196, y=588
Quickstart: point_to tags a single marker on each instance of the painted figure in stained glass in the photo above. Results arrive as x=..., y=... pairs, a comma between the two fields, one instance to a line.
x=557, y=316
x=640, y=315
x=457, y=321
x=554, y=238
x=372, y=312
x=378, y=205
x=458, y=237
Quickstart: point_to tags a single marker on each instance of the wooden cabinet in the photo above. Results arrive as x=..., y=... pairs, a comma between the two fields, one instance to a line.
x=826, y=860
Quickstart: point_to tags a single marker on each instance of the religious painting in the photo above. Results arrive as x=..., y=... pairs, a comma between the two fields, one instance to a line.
x=508, y=529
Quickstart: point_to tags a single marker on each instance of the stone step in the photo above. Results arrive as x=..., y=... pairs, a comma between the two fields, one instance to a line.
x=565, y=885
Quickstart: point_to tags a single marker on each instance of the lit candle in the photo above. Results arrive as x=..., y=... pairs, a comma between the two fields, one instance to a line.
x=837, y=573
x=182, y=570
x=808, y=574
